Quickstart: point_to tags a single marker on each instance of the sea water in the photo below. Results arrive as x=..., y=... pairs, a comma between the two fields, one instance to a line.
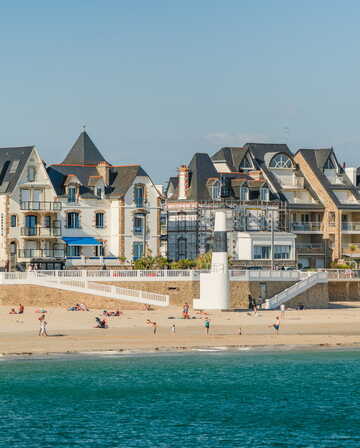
x=283, y=399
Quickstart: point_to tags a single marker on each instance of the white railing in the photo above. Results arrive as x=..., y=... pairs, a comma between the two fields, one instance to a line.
x=296, y=289
x=99, y=289
x=343, y=274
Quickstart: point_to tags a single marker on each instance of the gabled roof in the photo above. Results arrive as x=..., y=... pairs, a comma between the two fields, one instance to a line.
x=316, y=159
x=12, y=163
x=84, y=152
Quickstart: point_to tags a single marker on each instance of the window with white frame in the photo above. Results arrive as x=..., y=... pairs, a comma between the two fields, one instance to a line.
x=216, y=191
x=99, y=251
x=73, y=220
x=138, y=250
x=99, y=192
x=138, y=224
x=99, y=220
x=244, y=194
x=73, y=251
x=281, y=161
x=282, y=252
x=31, y=174
x=245, y=164
x=13, y=221
x=139, y=196
x=71, y=194
x=262, y=252
x=264, y=194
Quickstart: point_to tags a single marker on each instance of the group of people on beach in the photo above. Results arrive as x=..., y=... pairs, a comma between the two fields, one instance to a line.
x=21, y=310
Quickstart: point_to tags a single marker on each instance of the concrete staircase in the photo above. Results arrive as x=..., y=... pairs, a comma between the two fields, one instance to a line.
x=296, y=289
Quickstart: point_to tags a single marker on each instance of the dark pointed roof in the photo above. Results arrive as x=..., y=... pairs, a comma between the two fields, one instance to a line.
x=84, y=152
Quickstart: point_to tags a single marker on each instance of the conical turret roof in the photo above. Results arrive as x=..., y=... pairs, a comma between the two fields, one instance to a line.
x=84, y=152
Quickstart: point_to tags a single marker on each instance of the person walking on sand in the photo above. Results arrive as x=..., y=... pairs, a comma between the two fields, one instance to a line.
x=154, y=327
x=277, y=325
x=173, y=329
x=282, y=309
x=43, y=325
x=207, y=326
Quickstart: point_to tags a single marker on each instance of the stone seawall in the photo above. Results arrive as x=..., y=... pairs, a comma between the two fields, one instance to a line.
x=179, y=292
x=344, y=291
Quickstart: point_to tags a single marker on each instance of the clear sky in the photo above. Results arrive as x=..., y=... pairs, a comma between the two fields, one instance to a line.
x=156, y=81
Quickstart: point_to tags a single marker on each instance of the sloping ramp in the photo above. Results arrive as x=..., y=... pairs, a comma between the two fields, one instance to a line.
x=296, y=289
x=100, y=289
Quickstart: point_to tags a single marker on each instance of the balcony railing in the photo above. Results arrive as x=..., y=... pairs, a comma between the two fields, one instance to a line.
x=41, y=253
x=305, y=226
x=350, y=226
x=40, y=231
x=40, y=206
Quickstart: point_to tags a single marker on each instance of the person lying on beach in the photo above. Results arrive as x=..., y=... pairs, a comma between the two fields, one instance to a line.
x=112, y=313
x=12, y=311
x=83, y=307
x=147, y=307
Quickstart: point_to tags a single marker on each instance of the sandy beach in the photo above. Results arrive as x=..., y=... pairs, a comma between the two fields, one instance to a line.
x=74, y=332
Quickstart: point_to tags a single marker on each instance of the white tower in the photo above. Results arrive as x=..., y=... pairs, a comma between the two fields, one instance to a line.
x=215, y=286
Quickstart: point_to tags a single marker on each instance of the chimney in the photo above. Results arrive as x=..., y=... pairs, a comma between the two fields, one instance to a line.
x=183, y=181
x=103, y=168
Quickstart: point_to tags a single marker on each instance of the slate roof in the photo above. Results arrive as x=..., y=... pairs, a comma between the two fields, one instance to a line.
x=84, y=152
x=120, y=178
x=316, y=159
x=8, y=156
x=201, y=169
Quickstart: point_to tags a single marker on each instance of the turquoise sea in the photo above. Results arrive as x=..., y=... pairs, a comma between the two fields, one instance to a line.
x=243, y=399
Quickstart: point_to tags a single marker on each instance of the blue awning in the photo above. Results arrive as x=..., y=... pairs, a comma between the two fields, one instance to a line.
x=81, y=241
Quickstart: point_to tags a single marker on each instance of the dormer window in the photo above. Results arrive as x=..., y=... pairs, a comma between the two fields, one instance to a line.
x=246, y=164
x=244, y=194
x=216, y=191
x=71, y=194
x=329, y=164
x=264, y=194
x=31, y=174
x=281, y=161
x=99, y=192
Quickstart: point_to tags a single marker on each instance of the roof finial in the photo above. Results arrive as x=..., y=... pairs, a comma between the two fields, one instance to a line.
x=84, y=127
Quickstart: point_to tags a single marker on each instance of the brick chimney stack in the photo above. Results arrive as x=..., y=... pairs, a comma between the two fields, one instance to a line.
x=103, y=168
x=183, y=181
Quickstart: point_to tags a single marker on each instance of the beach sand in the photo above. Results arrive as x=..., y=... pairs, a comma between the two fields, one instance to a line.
x=74, y=332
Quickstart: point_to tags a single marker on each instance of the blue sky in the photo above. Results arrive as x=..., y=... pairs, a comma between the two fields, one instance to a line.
x=157, y=81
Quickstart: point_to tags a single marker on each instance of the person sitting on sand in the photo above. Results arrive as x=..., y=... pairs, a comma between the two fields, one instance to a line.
x=83, y=307
x=12, y=311
x=21, y=309
x=101, y=323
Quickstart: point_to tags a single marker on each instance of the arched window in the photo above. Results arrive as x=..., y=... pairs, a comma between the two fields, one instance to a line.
x=181, y=248
x=246, y=164
x=216, y=191
x=281, y=161
x=13, y=248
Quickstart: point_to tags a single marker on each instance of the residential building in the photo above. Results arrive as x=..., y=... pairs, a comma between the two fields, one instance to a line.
x=109, y=213
x=339, y=224
x=30, y=212
x=256, y=215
